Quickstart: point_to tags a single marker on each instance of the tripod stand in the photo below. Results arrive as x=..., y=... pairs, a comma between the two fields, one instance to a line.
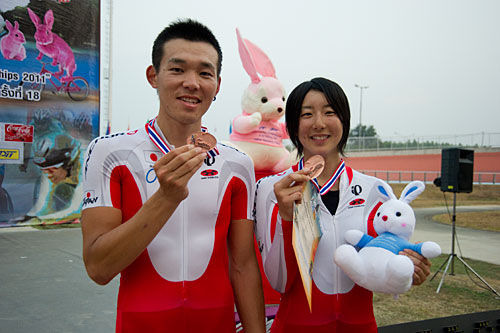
x=453, y=255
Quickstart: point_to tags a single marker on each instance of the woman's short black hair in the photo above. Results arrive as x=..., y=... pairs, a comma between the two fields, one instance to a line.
x=336, y=99
x=187, y=29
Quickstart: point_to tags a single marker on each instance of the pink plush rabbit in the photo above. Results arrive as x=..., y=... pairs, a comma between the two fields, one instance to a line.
x=12, y=44
x=53, y=46
x=257, y=130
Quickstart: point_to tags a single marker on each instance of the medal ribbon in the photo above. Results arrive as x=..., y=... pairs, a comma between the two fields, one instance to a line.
x=162, y=145
x=333, y=179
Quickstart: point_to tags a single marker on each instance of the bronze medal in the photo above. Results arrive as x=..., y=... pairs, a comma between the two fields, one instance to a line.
x=204, y=140
x=314, y=166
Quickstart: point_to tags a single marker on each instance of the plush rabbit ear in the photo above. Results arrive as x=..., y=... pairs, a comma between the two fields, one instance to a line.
x=9, y=25
x=381, y=192
x=411, y=191
x=246, y=59
x=262, y=62
x=16, y=25
x=49, y=18
x=34, y=18
x=385, y=191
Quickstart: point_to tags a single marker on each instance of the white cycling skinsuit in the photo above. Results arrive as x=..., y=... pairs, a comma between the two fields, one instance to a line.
x=338, y=305
x=180, y=282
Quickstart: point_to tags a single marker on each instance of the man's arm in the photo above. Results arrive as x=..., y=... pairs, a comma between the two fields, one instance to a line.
x=109, y=245
x=245, y=276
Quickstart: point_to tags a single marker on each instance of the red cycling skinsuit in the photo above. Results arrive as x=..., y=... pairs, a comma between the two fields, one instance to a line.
x=180, y=282
x=338, y=305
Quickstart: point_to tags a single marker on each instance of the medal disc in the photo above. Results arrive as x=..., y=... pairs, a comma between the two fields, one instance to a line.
x=314, y=166
x=204, y=140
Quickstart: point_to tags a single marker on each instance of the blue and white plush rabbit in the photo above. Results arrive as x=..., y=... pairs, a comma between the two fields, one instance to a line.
x=378, y=266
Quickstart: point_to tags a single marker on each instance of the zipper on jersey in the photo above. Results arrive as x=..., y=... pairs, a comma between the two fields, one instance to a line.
x=185, y=260
x=336, y=245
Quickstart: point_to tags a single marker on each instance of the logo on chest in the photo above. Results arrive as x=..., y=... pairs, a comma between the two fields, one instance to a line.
x=150, y=157
x=359, y=202
x=209, y=174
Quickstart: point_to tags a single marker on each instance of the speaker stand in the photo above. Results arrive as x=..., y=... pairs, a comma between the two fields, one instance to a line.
x=453, y=255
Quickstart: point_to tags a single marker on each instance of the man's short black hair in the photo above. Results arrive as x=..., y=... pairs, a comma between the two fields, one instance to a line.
x=187, y=29
x=336, y=99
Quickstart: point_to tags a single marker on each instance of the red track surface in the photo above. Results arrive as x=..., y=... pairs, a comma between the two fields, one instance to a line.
x=405, y=168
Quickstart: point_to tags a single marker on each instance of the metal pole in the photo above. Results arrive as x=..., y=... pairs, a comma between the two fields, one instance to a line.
x=452, y=256
x=360, y=111
x=453, y=220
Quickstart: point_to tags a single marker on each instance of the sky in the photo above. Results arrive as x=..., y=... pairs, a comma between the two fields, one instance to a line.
x=432, y=67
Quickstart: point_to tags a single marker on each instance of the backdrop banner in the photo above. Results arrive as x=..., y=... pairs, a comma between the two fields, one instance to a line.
x=49, y=107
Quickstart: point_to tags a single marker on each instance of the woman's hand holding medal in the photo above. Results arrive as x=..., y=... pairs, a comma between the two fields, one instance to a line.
x=289, y=189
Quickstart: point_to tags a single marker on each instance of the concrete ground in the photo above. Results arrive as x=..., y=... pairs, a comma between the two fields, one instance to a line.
x=44, y=287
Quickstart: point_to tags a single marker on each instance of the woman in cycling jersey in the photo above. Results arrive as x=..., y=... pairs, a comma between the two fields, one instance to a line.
x=317, y=119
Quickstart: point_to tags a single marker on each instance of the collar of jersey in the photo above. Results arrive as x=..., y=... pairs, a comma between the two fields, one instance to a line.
x=333, y=179
x=159, y=142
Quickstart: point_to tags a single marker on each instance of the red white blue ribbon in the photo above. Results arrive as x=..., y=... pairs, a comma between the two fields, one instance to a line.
x=162, y=145
x=333, y=179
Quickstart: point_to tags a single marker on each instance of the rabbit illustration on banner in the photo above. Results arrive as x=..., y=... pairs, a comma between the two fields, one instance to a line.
x=378, y=266
x=53, y=46
x=12, y=44
x=257, y=130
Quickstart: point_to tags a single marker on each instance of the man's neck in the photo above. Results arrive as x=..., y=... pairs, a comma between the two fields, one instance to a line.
x=174, y=132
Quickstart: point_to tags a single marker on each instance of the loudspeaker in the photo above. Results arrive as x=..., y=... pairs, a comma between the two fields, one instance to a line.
x=457, y=167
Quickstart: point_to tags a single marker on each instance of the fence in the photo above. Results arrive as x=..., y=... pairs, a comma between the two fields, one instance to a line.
x=374, y=143
x=479, y=178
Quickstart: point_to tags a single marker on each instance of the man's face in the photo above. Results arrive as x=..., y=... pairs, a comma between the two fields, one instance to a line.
x=56, y=175
x=186, y=81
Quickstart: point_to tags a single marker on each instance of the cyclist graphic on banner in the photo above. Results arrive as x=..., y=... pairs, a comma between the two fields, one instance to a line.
x=57, y=194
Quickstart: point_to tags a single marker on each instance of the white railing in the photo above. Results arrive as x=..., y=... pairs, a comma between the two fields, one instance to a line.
x=479, y=178
x=374, y=143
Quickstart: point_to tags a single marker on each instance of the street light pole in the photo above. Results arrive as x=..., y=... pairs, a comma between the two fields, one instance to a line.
x=360, y=110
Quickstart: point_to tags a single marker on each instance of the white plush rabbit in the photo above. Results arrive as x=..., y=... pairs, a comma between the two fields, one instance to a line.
x=257, y=130
x=378, y=266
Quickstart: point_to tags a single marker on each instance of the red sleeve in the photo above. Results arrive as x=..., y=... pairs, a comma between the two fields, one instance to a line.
x=292, y=268
x=239, y=199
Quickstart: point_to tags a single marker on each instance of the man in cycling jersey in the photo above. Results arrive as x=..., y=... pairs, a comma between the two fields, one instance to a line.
x=172, y=218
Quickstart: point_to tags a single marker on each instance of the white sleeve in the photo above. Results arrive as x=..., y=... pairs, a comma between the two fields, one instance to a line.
x=271, y=248
x=96, y=175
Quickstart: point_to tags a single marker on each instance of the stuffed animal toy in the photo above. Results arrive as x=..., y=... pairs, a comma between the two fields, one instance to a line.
x=53, y=46
x=257, y=131
x=12, y=45
x=378, y=266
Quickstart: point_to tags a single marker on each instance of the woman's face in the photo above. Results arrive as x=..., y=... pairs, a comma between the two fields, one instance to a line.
x=320, y=129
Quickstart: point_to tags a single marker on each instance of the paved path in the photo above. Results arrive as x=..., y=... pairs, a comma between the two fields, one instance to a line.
x=469, y=243
x=44, y=287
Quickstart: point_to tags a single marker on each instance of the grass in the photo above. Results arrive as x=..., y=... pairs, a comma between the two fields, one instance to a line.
x=486, y=220
x=433, y=197
x=462, y=292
